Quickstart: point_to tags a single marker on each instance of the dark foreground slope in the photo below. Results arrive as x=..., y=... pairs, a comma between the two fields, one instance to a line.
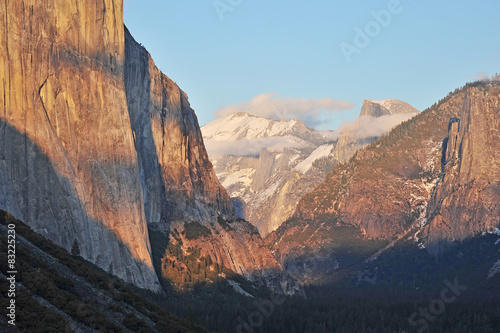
x=59, y=292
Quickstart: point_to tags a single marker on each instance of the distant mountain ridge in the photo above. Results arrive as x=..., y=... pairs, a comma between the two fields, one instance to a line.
x=244, y=126
x=267, y=165
x=260, y=161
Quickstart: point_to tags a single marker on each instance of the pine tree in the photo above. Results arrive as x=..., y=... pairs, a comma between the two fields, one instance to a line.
x=75, y=249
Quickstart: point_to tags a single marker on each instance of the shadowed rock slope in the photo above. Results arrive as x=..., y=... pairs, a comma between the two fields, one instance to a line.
x=68, y=165
x=60, y=292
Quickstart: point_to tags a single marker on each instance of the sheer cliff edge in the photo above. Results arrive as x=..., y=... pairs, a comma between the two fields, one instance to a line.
x=98, y=146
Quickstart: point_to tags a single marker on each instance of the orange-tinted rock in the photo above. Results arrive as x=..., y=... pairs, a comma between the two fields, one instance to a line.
x=97, y=142
x=365, y=203
x=67, y=159
x=180, y=186
x=466, y=200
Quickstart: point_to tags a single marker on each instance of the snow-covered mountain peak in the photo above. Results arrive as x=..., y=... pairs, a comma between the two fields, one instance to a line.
x=244, y=126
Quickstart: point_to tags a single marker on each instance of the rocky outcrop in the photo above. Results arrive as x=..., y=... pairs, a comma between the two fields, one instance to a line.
x=180, y=183
x=409, y=183
x=466, y=200
x=98, y=146
x=346, y=146
x=68, y=165
x=375, y=119
x=181, y=190
x=233, y=244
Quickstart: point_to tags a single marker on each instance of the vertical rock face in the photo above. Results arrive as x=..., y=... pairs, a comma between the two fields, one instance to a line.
x=96, y=143
x=68, y=165
x=183, y=197
x=180, y=186
x=179, y=179
x=466, y=200
x=408, y=182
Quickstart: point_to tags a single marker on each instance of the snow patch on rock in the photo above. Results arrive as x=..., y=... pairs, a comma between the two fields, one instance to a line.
x=494, y=269
x=243, y=176
x=321, y=151
x=238, y=289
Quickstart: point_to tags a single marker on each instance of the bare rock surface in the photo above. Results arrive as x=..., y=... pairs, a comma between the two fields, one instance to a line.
x=365, y=203
x=98, y=146
x=466, y=200
x=434, y=178
x=68, y=165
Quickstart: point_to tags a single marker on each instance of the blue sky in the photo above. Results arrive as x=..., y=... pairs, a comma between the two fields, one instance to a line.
x=292, y=48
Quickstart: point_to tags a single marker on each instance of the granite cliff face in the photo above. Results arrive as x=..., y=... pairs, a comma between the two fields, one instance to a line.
x=366, y=203
x=466, y=200
x=385, y=107
x=179, y=179
x=98, y=145
x=375, y=119
x=181, y=192
x=68, y=165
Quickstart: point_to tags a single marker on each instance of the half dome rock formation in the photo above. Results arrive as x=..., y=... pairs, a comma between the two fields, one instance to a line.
x=408, y=185
x=365, y=203
x=376, y=118
x=385, y=107
x=98, y=146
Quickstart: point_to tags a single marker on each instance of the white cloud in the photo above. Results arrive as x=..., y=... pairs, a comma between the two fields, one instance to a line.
x=481, y=76
x=366, y=126
x=311, y=111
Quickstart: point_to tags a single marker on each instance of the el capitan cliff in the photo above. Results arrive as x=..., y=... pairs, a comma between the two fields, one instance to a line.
x=98, y=146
